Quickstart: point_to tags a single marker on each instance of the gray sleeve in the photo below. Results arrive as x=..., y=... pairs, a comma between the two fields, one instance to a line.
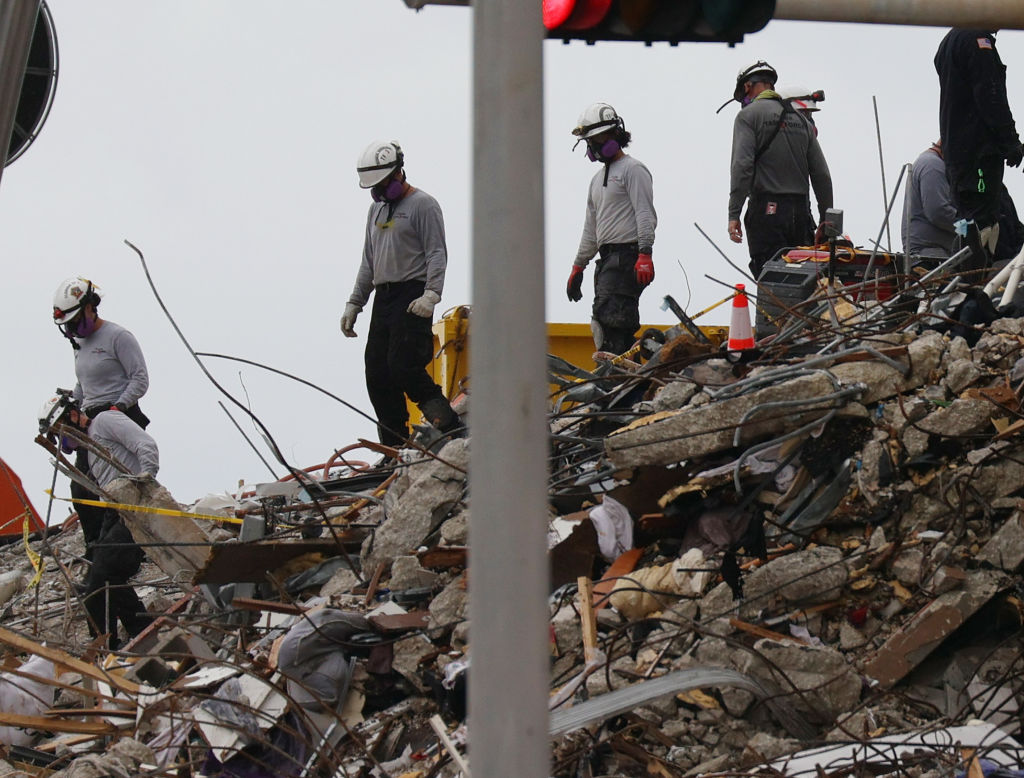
x=640, y=186
x=935, y=198
x=140, y=443
x=364, y=276
x=430, y=228
x=588, y=243
x=741, y=173
x=821, y=179
x=129, y=354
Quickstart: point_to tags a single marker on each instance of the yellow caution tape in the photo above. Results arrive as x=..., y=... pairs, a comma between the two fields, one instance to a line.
x=33, y=556
x=147, y=509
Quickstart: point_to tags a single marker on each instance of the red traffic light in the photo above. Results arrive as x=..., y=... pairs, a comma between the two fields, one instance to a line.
x=574, y=14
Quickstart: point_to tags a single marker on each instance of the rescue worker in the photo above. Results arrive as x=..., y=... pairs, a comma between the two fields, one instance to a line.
x=928, y=212
x=110, y=370
x=403, y=266
x=619, y=225
x=116, y=557
x=978, y=133
x=774, y=154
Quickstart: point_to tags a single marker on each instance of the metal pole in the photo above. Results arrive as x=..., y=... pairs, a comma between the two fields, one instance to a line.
x=17, y=23
x=993, y=14
x=508, y=573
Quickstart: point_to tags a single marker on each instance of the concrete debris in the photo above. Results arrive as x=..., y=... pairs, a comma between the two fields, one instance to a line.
x=820, y=541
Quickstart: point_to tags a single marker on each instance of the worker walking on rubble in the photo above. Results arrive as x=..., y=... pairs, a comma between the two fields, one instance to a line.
x=115, y=557
x=978, y=134
x=619, y=225
x=111, y=375
x=775, y=153
x=403, y=265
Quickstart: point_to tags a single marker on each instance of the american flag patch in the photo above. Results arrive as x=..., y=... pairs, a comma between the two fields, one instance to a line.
x=984, y=43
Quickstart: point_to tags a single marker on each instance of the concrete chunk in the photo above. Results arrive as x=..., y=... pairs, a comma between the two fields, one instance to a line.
x=1005, y=550
x=672, y=436
x=929, y=627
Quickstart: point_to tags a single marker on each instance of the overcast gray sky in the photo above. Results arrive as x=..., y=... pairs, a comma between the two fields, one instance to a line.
x=221, y=136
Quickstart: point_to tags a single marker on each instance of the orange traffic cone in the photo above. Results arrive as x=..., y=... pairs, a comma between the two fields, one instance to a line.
x=740, y=334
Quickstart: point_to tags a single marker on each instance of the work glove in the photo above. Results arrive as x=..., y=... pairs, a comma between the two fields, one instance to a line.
x=644, y=269
x=348, y=319
x=574, y=287
x=1014, y=157
x=819, y=234
x=424, y=306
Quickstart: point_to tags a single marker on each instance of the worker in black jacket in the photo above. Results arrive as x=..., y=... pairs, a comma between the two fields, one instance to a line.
x=978, y=131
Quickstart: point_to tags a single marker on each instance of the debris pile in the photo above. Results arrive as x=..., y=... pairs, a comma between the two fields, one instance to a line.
x=752, y=554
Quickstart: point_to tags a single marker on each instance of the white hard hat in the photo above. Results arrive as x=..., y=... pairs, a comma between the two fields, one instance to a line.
x=377, y=162
x=758, y=71
x=71, y=296
x=595, y=119
x=54, y=408
x=801, y=97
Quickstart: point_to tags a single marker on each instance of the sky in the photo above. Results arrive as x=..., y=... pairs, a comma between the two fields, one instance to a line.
x=220, y=137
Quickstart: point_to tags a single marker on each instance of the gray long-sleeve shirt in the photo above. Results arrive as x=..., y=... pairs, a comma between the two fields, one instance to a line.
x=410, y=246
x=622, y=211
x=785, y=166
x=110, y=368
x=928, y=212
x=127, y=442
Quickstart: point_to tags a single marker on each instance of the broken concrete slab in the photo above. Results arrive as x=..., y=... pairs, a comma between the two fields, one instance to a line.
x=674, y=436
x=799, y=578
x=825, y=683
x=1005, y=549
x=962, y=417
x=929, y=627
x=434, y=489
x=176, y=544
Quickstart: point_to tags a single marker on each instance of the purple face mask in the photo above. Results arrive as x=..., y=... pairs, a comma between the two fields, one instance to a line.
x=85, y=327
x=389, y=193
x=68, y=444
x=608, y=150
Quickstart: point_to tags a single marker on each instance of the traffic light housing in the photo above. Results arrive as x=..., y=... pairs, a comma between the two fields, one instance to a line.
x=650, y=21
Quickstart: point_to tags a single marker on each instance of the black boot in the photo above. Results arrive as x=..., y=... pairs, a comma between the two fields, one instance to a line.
x=438, y=411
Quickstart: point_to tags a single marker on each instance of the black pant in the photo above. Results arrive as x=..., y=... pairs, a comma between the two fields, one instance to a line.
x=976, y=189
x=89, y=516
x=617, y=296
x=775, y=222
x=399, y=346
x=116, y=558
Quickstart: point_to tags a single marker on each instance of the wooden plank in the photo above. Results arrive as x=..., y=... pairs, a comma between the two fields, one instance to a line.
x=400, y=622
x=56, y=655
x=443, y=557
x=248, y=604
x=761, y=632
x=588, y=622
x=620, y=567
x=50, y=724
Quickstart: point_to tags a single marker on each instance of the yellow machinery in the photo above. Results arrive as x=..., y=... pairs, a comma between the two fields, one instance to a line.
x=572, y=342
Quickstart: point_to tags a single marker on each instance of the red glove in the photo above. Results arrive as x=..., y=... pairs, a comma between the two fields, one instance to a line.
x=644, y=269
x=574, y=287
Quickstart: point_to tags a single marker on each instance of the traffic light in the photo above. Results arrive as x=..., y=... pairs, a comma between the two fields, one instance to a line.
x=671, y=21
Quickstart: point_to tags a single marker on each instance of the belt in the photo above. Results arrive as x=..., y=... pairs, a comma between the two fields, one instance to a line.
x=614, y=248
x=394, y=286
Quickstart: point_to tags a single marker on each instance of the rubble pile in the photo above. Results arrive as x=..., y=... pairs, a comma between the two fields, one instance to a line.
x=751, y=555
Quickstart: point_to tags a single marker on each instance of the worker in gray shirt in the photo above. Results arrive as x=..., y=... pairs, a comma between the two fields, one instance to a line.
x=619, y=225
x=116, y=557
x=928, y=211
x=111, y=373
x=774, y=154
x=403, y=266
